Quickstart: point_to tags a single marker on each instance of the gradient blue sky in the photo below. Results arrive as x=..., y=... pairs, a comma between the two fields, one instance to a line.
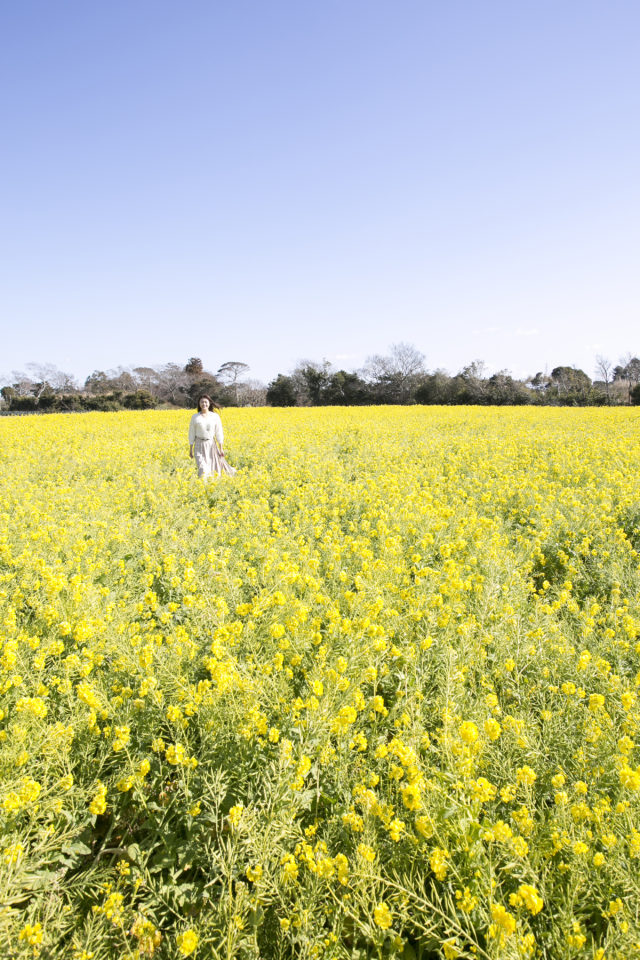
x=270, y=181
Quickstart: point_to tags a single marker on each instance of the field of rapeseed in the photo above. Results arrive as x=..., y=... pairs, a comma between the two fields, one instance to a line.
x=377, y=695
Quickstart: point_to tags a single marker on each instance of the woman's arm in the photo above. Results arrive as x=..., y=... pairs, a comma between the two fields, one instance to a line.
x=192, y=432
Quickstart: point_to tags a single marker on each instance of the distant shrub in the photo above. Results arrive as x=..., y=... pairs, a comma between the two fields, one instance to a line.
x=140, y=400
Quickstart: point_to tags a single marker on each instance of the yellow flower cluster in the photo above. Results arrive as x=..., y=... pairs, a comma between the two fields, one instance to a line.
x=380, y=688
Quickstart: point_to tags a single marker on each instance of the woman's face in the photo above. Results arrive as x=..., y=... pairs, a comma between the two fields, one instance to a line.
x=204, y=405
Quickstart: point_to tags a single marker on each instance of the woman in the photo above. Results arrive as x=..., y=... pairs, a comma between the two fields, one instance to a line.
x=206, y=440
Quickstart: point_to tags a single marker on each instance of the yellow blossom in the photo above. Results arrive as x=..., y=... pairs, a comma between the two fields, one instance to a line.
x=468, y=731
x=382, y=916
x=187, y=943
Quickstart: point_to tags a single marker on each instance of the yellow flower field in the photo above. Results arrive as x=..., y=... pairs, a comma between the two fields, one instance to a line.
x=376, y=695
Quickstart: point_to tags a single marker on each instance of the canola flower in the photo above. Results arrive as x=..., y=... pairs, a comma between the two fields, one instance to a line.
x=391, y=700
x=187, y=943
x=383, y=916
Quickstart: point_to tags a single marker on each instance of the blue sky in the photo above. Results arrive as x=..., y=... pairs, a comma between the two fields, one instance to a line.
x=270, y=181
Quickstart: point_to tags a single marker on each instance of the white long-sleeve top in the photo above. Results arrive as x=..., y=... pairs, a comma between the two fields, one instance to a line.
x=206, y=426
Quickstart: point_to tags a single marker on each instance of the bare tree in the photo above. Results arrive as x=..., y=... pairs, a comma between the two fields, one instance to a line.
x=396, y=376
x=629, y=370
x=474, y=370
x=633, y=370
x=604, y=370
x=42, y=378
x=22, y=383
x=121, y=379
x=230, y=373
x=173, y=383
x=48, y=375
x=97, y=382
x=253, y=393
x=147, y=378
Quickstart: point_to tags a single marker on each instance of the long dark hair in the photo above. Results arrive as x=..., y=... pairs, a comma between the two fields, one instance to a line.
x=212, y=404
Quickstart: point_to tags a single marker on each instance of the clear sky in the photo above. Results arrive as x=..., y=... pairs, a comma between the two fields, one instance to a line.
x=270, y=181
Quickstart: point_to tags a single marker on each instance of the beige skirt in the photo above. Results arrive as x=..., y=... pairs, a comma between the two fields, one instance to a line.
x=209, y=460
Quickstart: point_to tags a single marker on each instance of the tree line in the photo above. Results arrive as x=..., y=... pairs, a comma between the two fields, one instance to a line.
x=400, y=377
x=45, y=389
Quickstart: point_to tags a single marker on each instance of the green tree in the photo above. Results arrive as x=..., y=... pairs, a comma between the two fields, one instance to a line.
x=140, y=400
x=312, y=381
x=435, y=388
x=281, y=392
x=347, y=389
x=194, y=367
x=570, y=386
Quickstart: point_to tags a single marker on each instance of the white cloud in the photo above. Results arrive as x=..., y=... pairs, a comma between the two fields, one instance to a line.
x=530, y=332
